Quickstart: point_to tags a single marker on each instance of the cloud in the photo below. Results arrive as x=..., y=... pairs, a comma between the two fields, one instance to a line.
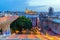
x=43, y=2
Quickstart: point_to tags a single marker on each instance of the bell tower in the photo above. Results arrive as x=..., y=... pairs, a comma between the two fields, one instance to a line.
x=26, y=11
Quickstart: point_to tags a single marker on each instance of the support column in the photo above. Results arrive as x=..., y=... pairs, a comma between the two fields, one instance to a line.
x=7, y=30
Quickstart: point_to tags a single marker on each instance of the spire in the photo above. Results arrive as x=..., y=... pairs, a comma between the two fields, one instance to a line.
x=50, y=11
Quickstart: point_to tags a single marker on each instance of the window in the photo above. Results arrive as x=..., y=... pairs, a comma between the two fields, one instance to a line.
x=55, y=26
x=1, y=31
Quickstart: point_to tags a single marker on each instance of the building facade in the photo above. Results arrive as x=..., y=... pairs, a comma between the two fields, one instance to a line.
x=34, y=19
x=52, y=25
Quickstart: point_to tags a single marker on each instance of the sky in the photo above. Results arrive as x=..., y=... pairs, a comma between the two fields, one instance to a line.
x=35, y=5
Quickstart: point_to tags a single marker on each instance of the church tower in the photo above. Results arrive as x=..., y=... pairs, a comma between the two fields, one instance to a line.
x=26, y=11
x=50, y=11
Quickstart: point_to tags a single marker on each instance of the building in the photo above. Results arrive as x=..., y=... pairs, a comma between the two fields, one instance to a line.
x=51, y=11
x=51, y=22
x=34, y=19
x=30, y=12
x=42, y=17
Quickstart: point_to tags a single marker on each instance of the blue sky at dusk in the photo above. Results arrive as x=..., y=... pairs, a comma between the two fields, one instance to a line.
x=35, y=5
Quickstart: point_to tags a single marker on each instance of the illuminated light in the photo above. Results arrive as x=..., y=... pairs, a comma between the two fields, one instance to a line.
x=55, y=38
x=31, y=36
x=58, y=38
x=14, y=34
x=23, y=31
x=17, y=31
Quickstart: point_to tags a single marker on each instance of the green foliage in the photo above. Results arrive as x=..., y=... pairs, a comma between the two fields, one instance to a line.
x=21, y=23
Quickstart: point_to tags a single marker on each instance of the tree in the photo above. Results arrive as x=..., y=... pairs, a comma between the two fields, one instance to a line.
x=21, y=23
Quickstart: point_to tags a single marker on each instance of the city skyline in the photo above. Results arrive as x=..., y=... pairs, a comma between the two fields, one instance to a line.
x=35, y=5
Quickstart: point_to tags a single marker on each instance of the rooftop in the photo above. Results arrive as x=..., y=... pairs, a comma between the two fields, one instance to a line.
x=56, y=20
x=7, y=18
